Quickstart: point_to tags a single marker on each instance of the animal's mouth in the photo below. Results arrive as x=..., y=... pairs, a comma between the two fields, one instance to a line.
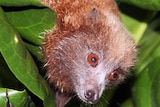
x=89, y=101
x=90, y=96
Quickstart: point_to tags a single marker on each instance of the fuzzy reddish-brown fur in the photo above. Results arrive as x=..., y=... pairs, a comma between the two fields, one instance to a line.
x=73, y=15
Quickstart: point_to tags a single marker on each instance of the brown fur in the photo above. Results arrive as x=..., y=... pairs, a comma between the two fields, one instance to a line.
x=72, y=14
x=88, y=18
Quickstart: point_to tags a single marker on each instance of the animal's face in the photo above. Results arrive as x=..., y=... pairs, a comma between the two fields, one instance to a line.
x=95, y=63
x=95, y=76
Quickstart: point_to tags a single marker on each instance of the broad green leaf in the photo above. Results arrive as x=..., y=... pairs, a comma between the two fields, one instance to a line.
x=155, y=91
x=146, y=87
x=148, y=45
x=16, y=98
x=19, y=2
x=145, y=4
x=137, y=31
x=144, y=90
x=36, y=51
x=136, y=27
x=32, y=24
x=21, y=63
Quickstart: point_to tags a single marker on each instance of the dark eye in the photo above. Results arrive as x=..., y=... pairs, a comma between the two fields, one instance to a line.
x=114, y=75
x=92, y=59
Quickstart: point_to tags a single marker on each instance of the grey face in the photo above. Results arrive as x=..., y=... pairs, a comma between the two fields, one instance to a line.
x=94, y=76
x=95, y=65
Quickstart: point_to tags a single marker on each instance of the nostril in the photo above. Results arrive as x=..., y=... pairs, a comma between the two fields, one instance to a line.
x=89, y=95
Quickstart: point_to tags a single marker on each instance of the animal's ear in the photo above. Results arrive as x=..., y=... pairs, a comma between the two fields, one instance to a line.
x=94, y=16
x=62, y=99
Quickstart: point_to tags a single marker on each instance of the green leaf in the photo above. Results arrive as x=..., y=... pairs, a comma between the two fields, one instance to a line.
x=145, y=30
x=144, y=92
x=21, y=63
x=145, y=4
x=32, y=24
x=146, y=89
x=141, y=25
x=156, y=92
x=16, y=98
x=19, y=2
x=149, y=45
x=36, y=51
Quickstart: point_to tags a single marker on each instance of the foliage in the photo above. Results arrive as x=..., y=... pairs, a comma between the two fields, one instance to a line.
x=22, y=27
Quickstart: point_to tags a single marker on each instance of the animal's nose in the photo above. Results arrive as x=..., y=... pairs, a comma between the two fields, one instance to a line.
x=91, y=96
